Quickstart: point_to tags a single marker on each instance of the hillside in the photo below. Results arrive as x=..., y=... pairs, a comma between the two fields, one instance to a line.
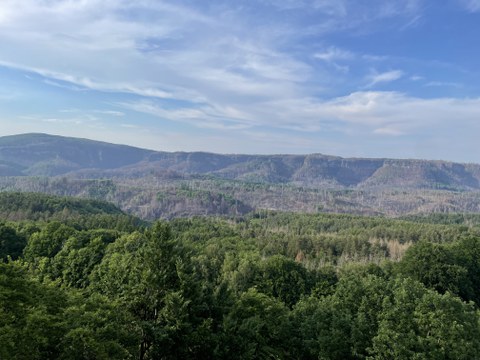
x=151, y=184
x=40, y=203
x=41, y=154
x=17, y=206
x=47, y=155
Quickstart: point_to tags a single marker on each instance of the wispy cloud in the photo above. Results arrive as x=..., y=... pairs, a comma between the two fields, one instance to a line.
x=382, y=113
x=470, y=5
x=110, y=112
x=385, y=77
x=106, y=48
x=351, y=13
x=443, y=84
x=252, y=67
x=202, y=116
x=416, y=78
x=333, y=54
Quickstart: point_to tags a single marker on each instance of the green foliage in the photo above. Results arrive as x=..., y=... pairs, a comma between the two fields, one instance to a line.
x=467, y=255
x=34, y=204
x=30, y=316
x=435, y=266
x=11, y=242
x=452, y=267
x=322, y=330
x=150, y=275
x=256, y=327
x=266, y=286
x=98, y=329
x=41, y=321
x=417, y=323
x=48, y=242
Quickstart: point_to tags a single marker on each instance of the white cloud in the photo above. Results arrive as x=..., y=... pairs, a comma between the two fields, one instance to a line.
x=374, y=112
x=216, y=68
x=334, y=54
x=166, y=51
x=208, y=58
x=202, y=117
x=384, y=77
x=443, y=84
x=352, y=14
x=110, y=112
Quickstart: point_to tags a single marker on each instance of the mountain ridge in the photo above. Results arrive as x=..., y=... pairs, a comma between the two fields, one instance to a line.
x=38, y=154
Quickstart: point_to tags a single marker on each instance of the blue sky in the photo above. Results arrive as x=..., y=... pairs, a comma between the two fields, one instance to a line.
x=364, y=78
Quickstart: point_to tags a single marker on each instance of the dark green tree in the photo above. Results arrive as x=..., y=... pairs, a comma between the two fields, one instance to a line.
x=11, y=243
x=418, y=323
x=257, y=327
x=436, y=267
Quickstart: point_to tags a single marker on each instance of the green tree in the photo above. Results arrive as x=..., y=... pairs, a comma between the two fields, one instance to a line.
x=11, y=243
x=418, y=323
x=96, y=328
x=284, y=279
x=467, y=255
x=150, y=274
x=48, y=242
x=30, y=316
x=257, y=327
x=322, y=329
x=436, y=267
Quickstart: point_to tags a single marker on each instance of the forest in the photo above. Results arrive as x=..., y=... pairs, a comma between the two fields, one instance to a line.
x=80, y=279
x=161, y=185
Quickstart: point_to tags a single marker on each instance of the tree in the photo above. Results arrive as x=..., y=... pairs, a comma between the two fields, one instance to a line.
x=418, y=323
x=467, y=254
x=149, y=273
x=435, y=266
x=30, y=315
x=322, y=329
x=48, y=242
x=284, y=279
x=257, y=327
x=96, y=328
x=11, y=243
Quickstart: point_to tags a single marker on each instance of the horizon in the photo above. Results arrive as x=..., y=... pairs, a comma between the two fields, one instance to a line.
x=397, y=79
x=246, y=153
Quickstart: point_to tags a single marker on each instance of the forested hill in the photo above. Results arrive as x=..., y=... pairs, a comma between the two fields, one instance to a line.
x=41, y=154
x=41, y=203
x=16, y=206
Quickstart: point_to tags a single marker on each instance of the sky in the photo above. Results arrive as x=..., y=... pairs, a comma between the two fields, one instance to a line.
x=353, y=78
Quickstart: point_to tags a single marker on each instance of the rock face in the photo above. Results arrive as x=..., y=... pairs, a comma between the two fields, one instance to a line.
x=48, y=155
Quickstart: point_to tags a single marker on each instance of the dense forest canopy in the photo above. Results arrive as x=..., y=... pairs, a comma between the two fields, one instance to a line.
x=94, y=283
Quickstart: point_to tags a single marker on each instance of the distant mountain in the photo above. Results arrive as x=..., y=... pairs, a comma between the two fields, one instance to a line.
x=48, y=155
x=41, y=154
